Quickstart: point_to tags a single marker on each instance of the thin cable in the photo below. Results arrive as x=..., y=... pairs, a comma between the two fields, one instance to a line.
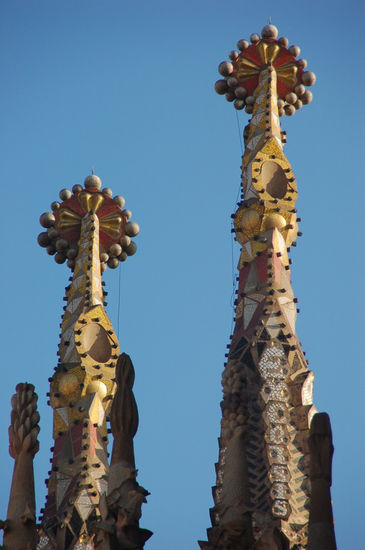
x=120, y=278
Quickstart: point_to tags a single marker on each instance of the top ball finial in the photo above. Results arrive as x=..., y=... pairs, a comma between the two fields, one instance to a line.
x=269, y=31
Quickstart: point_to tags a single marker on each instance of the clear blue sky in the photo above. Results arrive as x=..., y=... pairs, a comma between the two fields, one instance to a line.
x=126, y=87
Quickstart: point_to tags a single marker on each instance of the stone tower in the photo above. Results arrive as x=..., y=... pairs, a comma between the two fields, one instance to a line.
x=262, y=497
x=92, y=503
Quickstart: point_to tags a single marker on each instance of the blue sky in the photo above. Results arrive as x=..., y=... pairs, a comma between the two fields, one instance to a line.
x=126, y=88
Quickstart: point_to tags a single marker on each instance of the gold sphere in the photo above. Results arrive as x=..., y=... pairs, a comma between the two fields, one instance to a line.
x=274, y=220
x=68, y=384
x=250, y=222
x=95, y=386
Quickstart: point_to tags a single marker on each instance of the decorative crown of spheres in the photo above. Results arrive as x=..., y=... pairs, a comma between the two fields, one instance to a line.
x=241, y=74
x=63, y=225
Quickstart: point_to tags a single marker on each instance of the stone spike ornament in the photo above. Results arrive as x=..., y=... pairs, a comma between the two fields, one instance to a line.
x=82, y=511
x=262, y=493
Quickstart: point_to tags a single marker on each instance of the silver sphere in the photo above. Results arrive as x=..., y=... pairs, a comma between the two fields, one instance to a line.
x=225, y=68
x=131, y=249
x=299, y=90
x=119, y=200
x=230, y=96
x=239, y=104
x=249, y=109
x=242, y=45
x=127, y=213
x=283, y=41
x=281, y=103
x=92, y=182
x=221, y=87
x=61, y=244
x=289, y=110
x=65, y=194
x=233, y=55
x=115, y=249
x=71, y=253
x=71, y=264
x=125, y=241
x=43, y=239
x=240, y=92
x=60, y=258
x=123, y=256
x=47, y=219
x=250, y=100
x=294, y=50
x=254, y=38
x=308, y=78
x=77, y=188
x=51, y=249
x=298, y=104
x=281, y=112
x=132, y=229
x=52, y=233
x=107, y=191
x=55, y=205
x=291, y=98
x=232, y=82
x=302, y=63
x=307, y=97
x=104, y=257
x=113, y=263
x=102, y=267
x=269, y=31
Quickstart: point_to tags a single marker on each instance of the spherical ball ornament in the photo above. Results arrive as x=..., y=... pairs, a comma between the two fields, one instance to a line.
x=68, y=383
x=298, y=104
x=127, y=214
x=51, y=250
x=125, y=241
x=60, y=258
x=52, y=233
x=240, y=92
x=239, y=104
x=291, y=98
x=233, y=55
x=281, y=103
x=254, y=38
x=43, y=239
x=96, y=386
x=274, y=221
x=242, y=45
x=102, y=267
x=250, y=100
x=289, y=110
x=92, y=182
x=123, y=256
x=302, y=63
x=113, y=263
x=232, y=82
x=61, y=244
x=119, y=200
x=132, y=229
x=281, y=112
x=249, y=109
x=115, y=249
x=71, y=253
x=269, y=31
x=221, y=87
x=71, y=264
x=104, y=257
x=47, y=219
x=294, y=50
x=55, y=205
x=308, y=78
x=299, y=90
x=107, y=191
x=250, y=222
x=283, y=41
x=65, y=194
x=77, y=188
x=307, y=97
x=230, y=96
x=131, y=249
x=225, y=68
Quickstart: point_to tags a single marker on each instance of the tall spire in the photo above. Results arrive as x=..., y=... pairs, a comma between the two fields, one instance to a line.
x=262, y=493
x=86, y=508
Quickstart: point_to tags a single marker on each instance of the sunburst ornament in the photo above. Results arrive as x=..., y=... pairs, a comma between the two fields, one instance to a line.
x=242, y=72
x=64, y=223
